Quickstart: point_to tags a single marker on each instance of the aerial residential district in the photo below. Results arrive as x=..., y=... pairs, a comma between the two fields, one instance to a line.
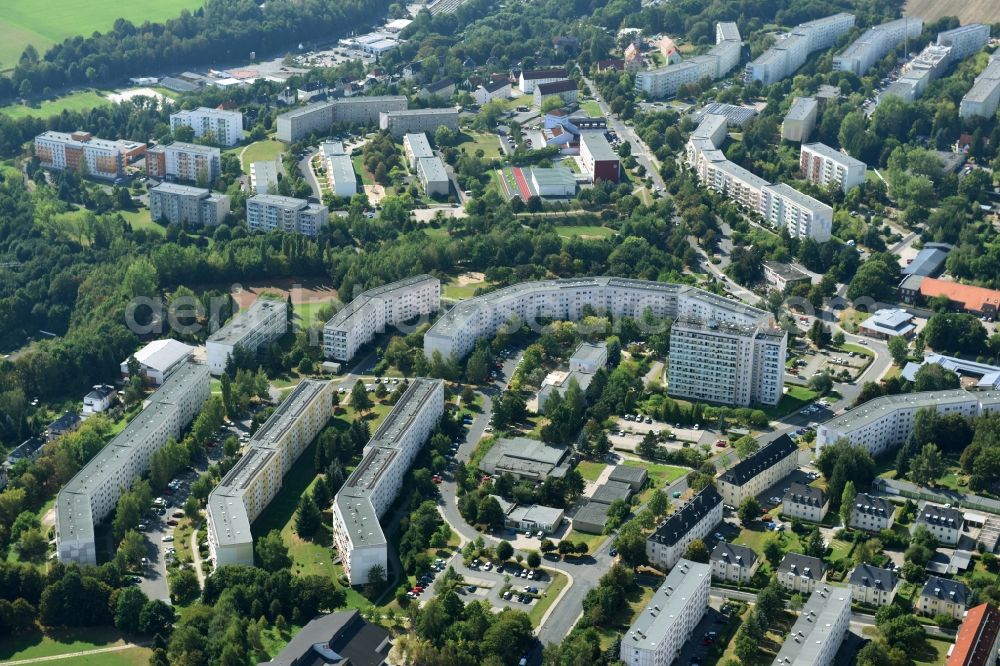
x=502, y=334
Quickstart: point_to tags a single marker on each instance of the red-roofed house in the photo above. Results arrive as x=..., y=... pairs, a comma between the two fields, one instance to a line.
x=978, y=639
x=975, y=300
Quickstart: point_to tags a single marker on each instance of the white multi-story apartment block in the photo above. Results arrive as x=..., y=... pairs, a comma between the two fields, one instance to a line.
x=820, y=629
x=884, y=423
x=801, y=573
x=85, y=154
x=371, y=311
x=399, y=123
x=226, y=127
x=416, y=147
x=928, y=65
x=319, y=117
x=93, y=493
x=805, y=503
x=759, y=471
x=871, y=513
x=944, y=523
x=657, y=636
x=729, y=364
x=792, y=49
x=984, y=97
x=781, y=205
x=872, y=586
x=179, y=204
x=875, y=44
x=272, y=212
x=261, y=324
x=965, y=40
x=456, y=332
x=695, y=520
x=372, y=487
x=732, y=563
x=255, y=479
x=530, y=78
x=433, y=177
x=340, y=174
x=184, y=161
x=943, y=596
x=719, y=61
x=800, y=120
x=824, y=166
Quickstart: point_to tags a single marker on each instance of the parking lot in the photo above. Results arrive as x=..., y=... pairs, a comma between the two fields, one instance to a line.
x=627, y=431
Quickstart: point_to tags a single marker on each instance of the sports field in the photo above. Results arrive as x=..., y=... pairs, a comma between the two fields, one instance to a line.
x=42, y=24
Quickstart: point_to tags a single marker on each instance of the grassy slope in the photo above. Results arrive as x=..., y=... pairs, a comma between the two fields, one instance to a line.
x=78, y=101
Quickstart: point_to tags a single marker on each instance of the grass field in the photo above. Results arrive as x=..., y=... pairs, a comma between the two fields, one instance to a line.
x=452, y=289
x=78, y=101
x=488, y=143
x=137, y=656
x=551, y=594
x=590, y=470
x=261, y=151
x=585, y=231
x=795, y=399
x=36, y=644
x=591, y=108
x=21, y=22
x=968, y=11
x=140, y=219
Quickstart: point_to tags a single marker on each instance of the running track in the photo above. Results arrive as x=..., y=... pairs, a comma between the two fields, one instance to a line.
x=522, y=183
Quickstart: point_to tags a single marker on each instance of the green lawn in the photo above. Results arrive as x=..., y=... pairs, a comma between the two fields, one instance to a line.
x=21, y=22
x=36, y=644
x=551, y=593
x=359, y=168
x=585, y=231
x=137, y=656
x=306, y=312
x=452, y=289
x=756, y=538
x=591, y=108
x=659, y=475
x=78, y=101
x=141, y=219
x=590, y=470
x=858, y=349
x=261, y=151
x=592, y=540
x=485, y=141
x=935, y=654
x=793, y=400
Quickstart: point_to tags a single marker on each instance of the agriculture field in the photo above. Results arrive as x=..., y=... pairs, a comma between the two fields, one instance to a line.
x=83, y=100
x=24, y=22
x=968, y=11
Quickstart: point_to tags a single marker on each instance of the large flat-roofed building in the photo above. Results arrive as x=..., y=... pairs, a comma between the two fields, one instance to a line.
x=759, y=471
x=800, y=214
x=83, y=153
x=525, y=458
x=658, y=634
x=984, y=97
x=372, y=487
x=340, y=176
x=180, y=204
x=433, y=177
x=225, y=127
x=884, y=423
x=929, y=261
x=819, y=630
x=780, y=275
x=800, y=121
x=695, y=520
x=715, y=64
x=600, y=161
x=272, y=212
x=792, y=49
x=159, y=358
x=925, y=67
x=978, y=639
x=824, y=166
x=747, y=365
x=372, y=310
x=187, y=162
x=259, y=325
x=875, y=44
x=416, y=147
x=398, y=123
x=555, y=182
x=319, y=117
x=255, y=479
x=93, y=493
x=343, y=638
x=965, y=40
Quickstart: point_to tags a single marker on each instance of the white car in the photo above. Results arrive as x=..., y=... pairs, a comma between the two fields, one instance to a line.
x=168, y=538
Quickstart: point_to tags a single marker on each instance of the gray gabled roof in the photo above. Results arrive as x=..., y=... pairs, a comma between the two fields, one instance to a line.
x=945, y=589
x=867, y=575
x=802, y=565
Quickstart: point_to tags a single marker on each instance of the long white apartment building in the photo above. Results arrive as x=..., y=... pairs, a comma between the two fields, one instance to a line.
x=759, y=471
x=399, y=123
x=819, y=630
x=884, y=423
x=695, y=520
x=273, y=212
x=792, y=49
x=372, y=310
x=299, y=123
x=340, y=174
x=951, y=47
x=84, y=153
x=92, y=494
x=983, y=98
x=824, y=166
x=247, y=489
x=724, y=363
x=184, y=161
x=372, y=487
x=259, y=325
x=225, y=126
x=875, y=44
x=660, y=631
x=781, y=205
x=416, y=147
x=719, y=61
x=965, y=40
x=179, y=204
x=760, y=347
